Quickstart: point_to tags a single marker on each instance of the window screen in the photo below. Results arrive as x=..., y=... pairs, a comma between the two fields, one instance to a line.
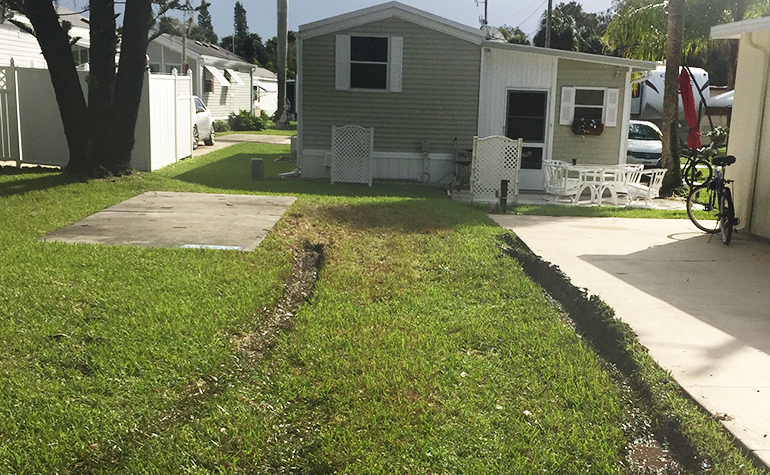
x=589, y=103
x=368, y=62
x=526, y=116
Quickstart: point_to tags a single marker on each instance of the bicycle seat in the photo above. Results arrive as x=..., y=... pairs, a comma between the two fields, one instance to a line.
x=723, y=160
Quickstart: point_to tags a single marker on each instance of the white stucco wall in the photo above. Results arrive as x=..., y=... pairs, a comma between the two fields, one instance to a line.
x=750, y=138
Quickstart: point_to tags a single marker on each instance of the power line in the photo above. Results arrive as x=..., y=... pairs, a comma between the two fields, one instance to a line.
x=530, y=15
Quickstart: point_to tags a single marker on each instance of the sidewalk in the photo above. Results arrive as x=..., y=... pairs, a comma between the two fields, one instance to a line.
x=701, y=308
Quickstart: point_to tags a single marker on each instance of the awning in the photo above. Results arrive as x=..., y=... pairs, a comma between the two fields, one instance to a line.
x=235, y=76
x=219, y=76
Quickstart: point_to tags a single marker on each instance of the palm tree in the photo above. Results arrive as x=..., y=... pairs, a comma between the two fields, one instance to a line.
x=674, y=37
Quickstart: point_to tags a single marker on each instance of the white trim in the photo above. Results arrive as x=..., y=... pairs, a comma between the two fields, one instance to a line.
x=567, y=105
x=734, y=30
x=217, y=75
x=611, y=105
x=625, y=118
x=636, y=64
x=395, y=62
x=390, y=10
x=234, y=75
x=553, y=119
x=342, y=62
x=298, y=96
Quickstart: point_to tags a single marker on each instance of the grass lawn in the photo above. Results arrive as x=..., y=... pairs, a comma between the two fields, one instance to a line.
x=422, y=350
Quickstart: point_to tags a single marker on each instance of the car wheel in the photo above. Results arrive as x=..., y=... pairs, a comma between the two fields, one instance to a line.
x=210, y=140
x=196, y=138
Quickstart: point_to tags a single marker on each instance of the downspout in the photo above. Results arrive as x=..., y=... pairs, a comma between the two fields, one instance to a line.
x=760, y=126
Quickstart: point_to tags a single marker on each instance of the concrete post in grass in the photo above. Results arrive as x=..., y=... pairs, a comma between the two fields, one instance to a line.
x=257, y=169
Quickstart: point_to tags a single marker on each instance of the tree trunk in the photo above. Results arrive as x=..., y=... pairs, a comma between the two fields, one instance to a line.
x=54, y=43
x=101, y=81
x=128, y=86
x=673, y=177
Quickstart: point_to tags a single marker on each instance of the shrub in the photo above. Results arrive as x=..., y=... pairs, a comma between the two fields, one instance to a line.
x=221, y=126
x=245, y=120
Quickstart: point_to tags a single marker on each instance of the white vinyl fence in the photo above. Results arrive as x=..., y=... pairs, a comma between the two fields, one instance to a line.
x=31, y=130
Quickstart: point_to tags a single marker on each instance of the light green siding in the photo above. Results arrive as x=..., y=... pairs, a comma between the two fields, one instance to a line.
x=603, y=149
x=438, y=102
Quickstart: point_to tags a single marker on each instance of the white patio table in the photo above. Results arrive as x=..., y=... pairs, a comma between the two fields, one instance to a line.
x=573, y=180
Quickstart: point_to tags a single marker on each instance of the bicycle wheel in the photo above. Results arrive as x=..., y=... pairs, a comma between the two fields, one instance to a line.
x=703, y=209
x=727, y=215
x=697, y=173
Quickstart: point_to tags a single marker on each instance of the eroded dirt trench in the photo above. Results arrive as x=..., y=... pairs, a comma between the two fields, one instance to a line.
x=297, y=290
x=656, y=443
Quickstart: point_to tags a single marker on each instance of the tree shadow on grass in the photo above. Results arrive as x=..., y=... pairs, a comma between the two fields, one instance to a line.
x=234, y=173
x=31, y=179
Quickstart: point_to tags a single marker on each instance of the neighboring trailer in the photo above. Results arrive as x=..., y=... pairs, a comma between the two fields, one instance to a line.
x=427, y=85
x=426, y=97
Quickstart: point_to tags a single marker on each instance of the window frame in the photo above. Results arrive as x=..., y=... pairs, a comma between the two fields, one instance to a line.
x=610, y=108
x=602, y=107
x=344, y=63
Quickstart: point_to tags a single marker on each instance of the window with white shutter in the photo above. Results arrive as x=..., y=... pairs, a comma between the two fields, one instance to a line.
x=368, y=63
x=596, y=103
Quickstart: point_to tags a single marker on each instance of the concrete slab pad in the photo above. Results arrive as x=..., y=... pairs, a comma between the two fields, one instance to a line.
x=700, y=307
x=169, y=219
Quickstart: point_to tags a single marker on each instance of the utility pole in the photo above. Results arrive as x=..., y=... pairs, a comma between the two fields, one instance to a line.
x=187, y=9
x=548, y=25
x=281, y=116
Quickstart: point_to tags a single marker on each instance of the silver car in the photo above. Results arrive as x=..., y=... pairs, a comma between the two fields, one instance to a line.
x=203, y=128
x=645, y=144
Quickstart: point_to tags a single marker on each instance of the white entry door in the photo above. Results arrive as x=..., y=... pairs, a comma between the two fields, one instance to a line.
x=526, y=118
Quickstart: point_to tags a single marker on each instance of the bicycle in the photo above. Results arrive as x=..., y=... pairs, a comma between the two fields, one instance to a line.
x=692, y=172
x=710, y=205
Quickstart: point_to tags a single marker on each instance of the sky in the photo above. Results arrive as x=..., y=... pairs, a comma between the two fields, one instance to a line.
x=261, y=14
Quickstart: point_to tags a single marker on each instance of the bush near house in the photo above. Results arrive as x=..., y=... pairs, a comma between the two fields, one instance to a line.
x=245, y=120
x=221, y=126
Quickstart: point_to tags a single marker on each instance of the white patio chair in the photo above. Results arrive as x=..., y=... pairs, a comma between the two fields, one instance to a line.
x=559, y=181
x=639, y=190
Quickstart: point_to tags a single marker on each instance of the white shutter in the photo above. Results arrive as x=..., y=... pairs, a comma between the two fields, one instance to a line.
x=567, y=109
x=611, y=108
x=342, y=66
x=396, y=62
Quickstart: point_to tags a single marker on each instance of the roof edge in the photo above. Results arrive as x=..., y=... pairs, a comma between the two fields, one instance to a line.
x=734, y=30
x=390, y=10
x=635, y=64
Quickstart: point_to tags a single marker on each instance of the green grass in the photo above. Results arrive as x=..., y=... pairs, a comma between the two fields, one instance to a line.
x=421, y=351
x=598, y=212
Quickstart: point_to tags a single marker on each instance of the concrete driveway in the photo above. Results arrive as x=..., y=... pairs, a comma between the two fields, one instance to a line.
x=223, y=141
x=700, y=307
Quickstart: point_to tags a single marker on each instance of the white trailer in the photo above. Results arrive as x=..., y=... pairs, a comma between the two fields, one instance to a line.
x=647, y=95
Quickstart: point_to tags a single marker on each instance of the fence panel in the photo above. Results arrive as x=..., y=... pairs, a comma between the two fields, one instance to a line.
x=495, y=158
x=184, y=116
x=9, y=127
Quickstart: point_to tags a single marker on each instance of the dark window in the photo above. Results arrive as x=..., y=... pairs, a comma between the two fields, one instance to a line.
x=208, y=81
x=526, y=116
x=368, y=62
x=589, y=104
x=531, y=158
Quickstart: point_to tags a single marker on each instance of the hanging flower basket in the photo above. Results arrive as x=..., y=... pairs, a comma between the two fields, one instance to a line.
x=587, y=127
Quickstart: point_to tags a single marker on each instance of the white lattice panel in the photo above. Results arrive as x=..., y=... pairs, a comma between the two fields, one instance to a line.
x=495, y=159
x=352, y=154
